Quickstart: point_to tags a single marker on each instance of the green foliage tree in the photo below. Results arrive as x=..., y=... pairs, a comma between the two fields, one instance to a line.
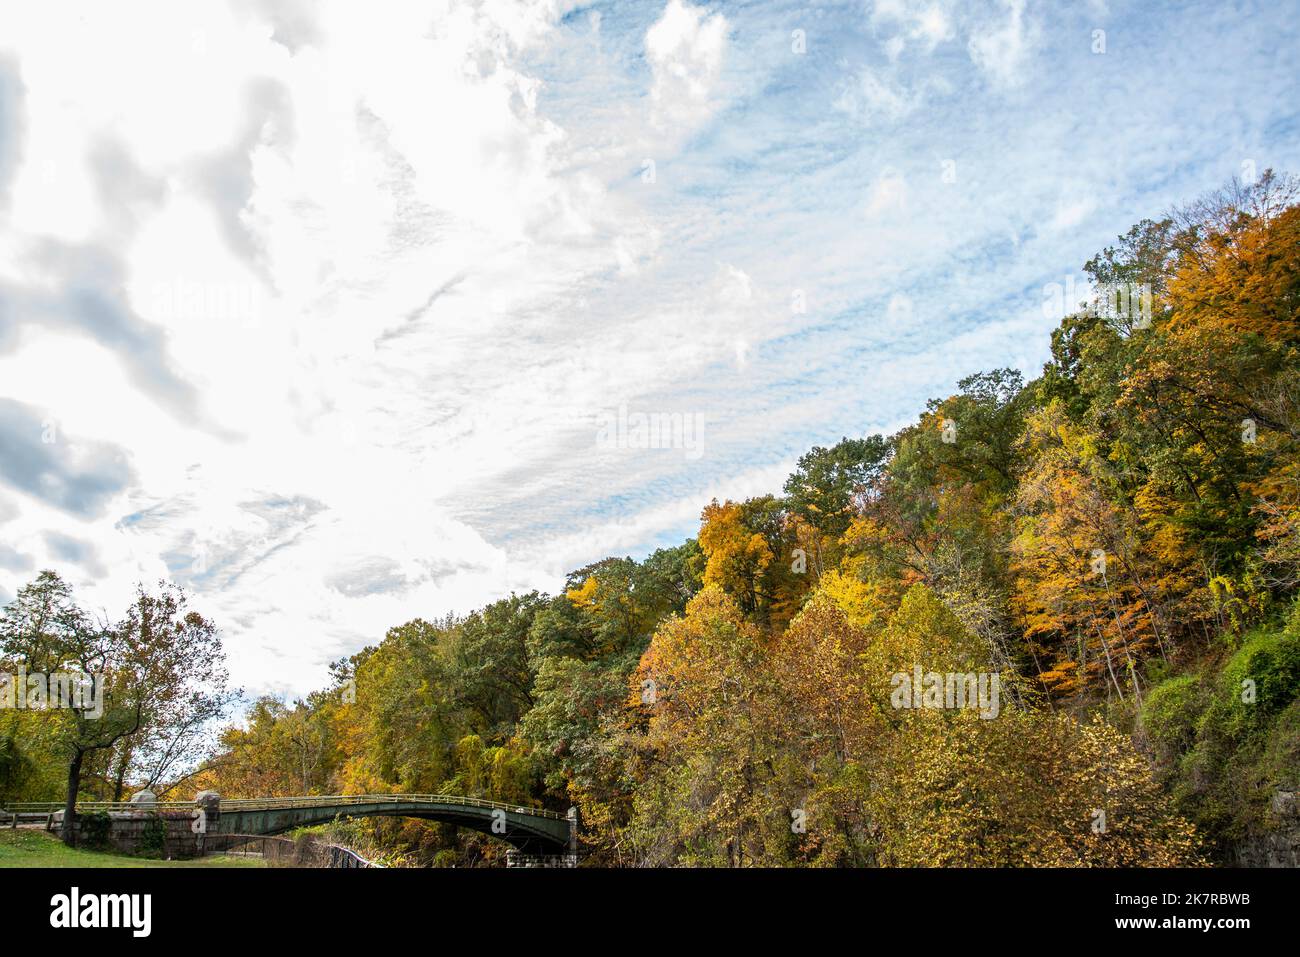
x=161, y=667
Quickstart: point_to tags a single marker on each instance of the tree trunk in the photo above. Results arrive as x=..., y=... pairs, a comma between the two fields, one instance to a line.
x=119, y=780
x=70, y=802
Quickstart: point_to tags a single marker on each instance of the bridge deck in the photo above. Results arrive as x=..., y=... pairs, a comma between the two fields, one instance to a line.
x=527, y=828
x=273, y=804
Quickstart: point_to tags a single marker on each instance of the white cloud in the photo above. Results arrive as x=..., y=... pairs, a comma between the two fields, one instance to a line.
x=1070, y=212
x=1002, y=44
x=927, y=25
x=685, y=47
x=888, y=194
x=882, y=98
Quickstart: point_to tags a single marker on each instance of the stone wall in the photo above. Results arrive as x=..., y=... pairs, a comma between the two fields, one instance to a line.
x=165, y=834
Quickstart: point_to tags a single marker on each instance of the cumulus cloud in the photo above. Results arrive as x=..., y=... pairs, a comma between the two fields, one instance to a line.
x=74, y=474
x=685, y=48
x=75, y=551
x=13, y=560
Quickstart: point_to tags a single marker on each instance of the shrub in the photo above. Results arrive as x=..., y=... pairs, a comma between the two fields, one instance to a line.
x=1169, y=716
x=1281, y=757
x=95, y=829
x=1230, y=741
x=1270, y=662
x=153, y=836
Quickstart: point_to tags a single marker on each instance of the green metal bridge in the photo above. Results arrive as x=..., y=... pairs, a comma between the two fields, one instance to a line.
x=530, y=830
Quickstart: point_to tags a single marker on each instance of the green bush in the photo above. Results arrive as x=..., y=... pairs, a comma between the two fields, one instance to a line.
x=153, y=836
x=14, y=767
x=1281, y=753
x=1170, y=714
x=95, y=829
x=1230, y=740
x=1270, y=662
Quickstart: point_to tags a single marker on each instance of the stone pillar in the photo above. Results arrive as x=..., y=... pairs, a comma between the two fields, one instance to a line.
x=573, y=832
x=209, y=803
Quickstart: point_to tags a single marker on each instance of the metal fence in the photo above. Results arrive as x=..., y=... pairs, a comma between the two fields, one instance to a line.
x=516, y=859
x=271, y=804
x=285, y=851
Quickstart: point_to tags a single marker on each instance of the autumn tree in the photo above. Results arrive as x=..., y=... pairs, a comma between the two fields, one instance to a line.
x=162, y=669
x=705, y=758
x=1088, y=594
x=829, y=486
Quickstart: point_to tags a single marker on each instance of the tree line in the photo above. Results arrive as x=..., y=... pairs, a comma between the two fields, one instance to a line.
x=1117, y=541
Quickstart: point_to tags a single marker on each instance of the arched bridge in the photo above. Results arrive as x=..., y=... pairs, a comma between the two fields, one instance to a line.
x=533, y=831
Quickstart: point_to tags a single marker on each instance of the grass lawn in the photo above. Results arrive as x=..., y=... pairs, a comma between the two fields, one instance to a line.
x=27, y=847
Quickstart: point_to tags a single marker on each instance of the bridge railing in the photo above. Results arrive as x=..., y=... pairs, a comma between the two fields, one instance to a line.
x=90, y=807
x=330, y=800
x=273, y=804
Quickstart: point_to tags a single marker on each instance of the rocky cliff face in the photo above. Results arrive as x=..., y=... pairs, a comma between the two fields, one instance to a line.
x=1279, y=847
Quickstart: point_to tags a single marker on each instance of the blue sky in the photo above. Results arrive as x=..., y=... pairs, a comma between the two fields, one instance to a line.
x=316, y=308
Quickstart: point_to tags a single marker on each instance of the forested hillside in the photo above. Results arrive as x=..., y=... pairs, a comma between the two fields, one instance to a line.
x=1117, y=542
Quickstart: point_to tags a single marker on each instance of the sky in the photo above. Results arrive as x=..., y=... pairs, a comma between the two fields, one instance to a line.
x=343, y=314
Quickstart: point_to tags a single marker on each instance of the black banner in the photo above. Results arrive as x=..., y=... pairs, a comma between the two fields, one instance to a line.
x=298, y=906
